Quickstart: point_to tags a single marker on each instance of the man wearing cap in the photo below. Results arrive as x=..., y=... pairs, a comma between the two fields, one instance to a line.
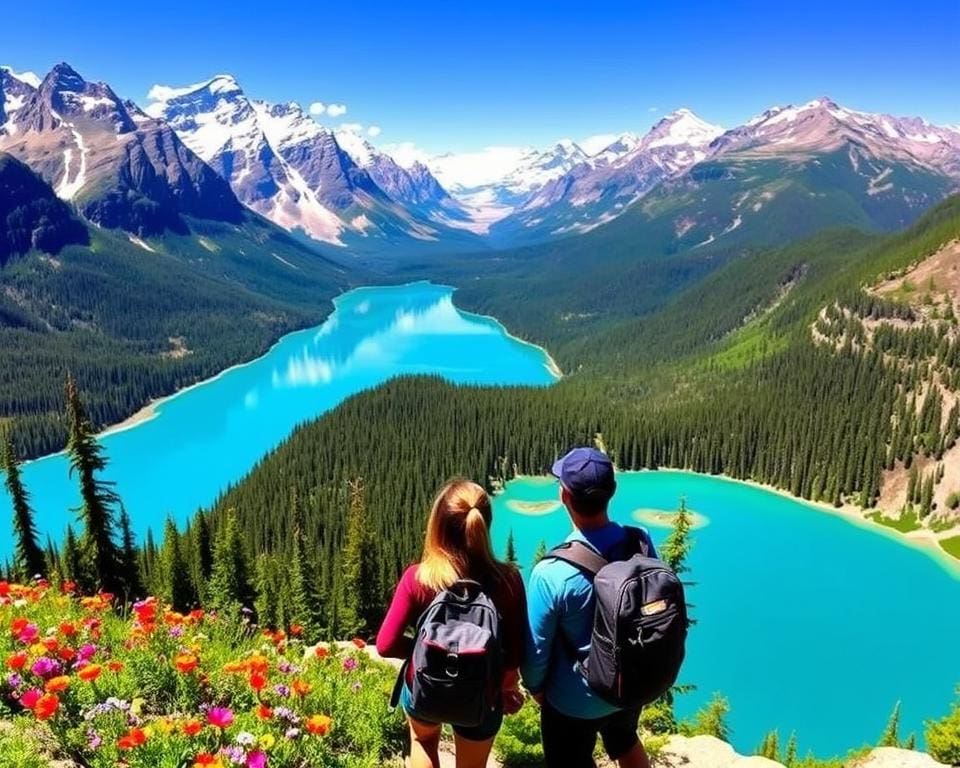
x=560, y=605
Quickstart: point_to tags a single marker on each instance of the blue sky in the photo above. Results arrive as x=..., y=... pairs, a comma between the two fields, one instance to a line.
x=460, y=76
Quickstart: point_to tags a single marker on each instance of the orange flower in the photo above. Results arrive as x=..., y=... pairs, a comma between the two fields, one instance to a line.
x=185, y=663
x=264, y=712
x=67, y=653
x=359, y=643
x=321, y=651
x=192, y=727
x=114, y=666
x=296, y=630
x=17, y=660
x=46, y=706
x=301, y=687
x=134, y=738
x=57, y=684
x=90, y=672
x=234, y=667
x=318, y=725
x=205, y=759
x=50, y=643
x=258, y=663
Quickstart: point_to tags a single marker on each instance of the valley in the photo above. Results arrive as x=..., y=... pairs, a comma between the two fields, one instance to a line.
x=298, y=334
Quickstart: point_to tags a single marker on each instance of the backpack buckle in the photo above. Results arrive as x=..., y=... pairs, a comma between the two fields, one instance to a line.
x=452, y=669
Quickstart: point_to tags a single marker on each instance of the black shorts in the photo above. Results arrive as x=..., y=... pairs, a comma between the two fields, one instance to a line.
x=568, y=742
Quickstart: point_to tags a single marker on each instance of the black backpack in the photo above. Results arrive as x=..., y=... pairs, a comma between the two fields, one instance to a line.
x=640, y=623
x=457, y=658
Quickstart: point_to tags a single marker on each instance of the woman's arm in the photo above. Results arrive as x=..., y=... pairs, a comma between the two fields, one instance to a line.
x=391, y=640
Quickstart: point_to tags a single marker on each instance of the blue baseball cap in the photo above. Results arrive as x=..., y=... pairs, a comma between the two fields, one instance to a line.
x=585, y=472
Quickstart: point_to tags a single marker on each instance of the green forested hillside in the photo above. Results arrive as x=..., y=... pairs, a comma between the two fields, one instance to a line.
x=137, y=320
x=748, y=394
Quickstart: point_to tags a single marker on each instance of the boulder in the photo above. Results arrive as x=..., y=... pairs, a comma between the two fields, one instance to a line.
x=706, y=752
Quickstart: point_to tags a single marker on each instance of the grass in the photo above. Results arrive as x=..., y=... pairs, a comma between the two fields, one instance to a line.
x=951, y=546
x=905, y=523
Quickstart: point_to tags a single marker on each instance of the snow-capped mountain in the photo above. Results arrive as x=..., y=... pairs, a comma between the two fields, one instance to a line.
x=414, y=187
x=600, y=187
x=283, y=164
x=15, y=89
x=121, y=169
x=822, y=126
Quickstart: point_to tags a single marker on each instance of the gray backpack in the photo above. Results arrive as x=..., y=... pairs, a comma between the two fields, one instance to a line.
x=640, y=622
x=457, y=658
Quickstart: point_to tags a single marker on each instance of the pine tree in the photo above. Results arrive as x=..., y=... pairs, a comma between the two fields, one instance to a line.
x=101, y=567
x=267, y=602
x=511, y=552
x=770, y=747
x=891, y=734
x=28, y=557
x=541, y=552
x=305, y=603
x=202, y=552
x=129, y=558
x=675, y=550
x=230, y=587
x=72, y=558
x=359, y=598
x=711, y=720
x=790, y=756
x=178, y=588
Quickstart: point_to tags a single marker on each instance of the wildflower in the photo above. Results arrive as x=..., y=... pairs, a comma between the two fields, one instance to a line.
x=68, y=628
x=205, y=759
x=349, y=664
x=134, y=738
x=257, y=759
x=115, y=666
x=296, y=630
x=94, y=739
x=30, y=697
x=235, y=755
x=90, y=672
x=264, y=712
x=318, y=725
x=245, y=739
x=185, y=663
x=321, y=652
x=282, y=690
x=57, y=684
x=220, y=717
x=45, y=667
x=28, y=634
x=292, y=733
x=267, y=741
x=361, y=644
x=14, y=680
x=301, y=687
x=67, y=654
x=192, y=727
x=86, y=651
x=257, y=681
x=356, y=687
x=17, y=660
x=46, y=706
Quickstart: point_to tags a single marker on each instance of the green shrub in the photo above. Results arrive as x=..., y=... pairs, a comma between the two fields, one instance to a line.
x=518, y=743
x=943, y=737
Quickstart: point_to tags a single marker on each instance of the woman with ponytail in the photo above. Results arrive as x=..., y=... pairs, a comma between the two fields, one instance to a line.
x=457, y=546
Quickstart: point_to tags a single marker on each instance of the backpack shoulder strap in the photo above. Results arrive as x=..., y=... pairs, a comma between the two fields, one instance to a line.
x=636, y=541
x=579, y=555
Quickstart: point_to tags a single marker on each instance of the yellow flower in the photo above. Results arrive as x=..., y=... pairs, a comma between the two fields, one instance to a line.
x=267, y=741
x=136, y=706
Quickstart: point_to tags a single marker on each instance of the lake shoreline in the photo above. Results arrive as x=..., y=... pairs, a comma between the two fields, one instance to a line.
x=923, y=539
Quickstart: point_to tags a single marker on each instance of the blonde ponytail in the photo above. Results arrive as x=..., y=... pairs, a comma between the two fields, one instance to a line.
x=457, y=544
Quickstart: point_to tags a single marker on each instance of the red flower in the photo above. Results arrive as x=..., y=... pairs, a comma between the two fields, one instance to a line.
x=185, y=663
x=321, y=651
x=134, y=738
x=359, y=643
x=90, y=672
x=68, y=628
x=17, y=660
x=192, y=727
x=264, y=712
x=30, y=698
x=257, y=681
x=296, y=630
x=318, y=725
x=46, y=706
x=205, y=759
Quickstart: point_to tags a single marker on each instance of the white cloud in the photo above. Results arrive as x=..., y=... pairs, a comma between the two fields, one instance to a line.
x=373, y=130
x=318, y=108
x=336, y=110
x=597, y=143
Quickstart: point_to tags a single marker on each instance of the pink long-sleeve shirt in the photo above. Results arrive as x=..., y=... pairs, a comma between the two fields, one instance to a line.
x=411, y=598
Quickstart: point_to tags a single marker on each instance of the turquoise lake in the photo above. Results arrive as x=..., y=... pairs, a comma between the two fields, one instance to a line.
x=806, y=621
x=211, y=435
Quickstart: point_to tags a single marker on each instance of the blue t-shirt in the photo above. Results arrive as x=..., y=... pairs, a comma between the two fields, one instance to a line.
x=560, y=600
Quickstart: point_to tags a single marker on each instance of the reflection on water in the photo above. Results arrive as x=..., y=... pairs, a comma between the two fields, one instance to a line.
x=211, y=435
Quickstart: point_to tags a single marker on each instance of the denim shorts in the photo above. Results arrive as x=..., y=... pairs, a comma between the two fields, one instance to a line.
x=486, y=730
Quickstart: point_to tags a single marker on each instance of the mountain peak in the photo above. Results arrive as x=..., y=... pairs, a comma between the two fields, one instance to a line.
x=27, y=78
x=682, y=126
x=63, y=77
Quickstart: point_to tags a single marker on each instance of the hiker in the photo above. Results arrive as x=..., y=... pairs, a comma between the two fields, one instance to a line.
x=468, y=611
x=574, y=704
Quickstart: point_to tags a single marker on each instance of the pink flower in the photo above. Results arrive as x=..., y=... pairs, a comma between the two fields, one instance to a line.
x=84, y=652
x=257, y=759
x=220, y=717
x=45, y=667
x=30, y=698
x=349, y=663
x=28, y=634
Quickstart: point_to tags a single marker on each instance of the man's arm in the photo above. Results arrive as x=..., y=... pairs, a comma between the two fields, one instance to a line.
x=541, y=630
